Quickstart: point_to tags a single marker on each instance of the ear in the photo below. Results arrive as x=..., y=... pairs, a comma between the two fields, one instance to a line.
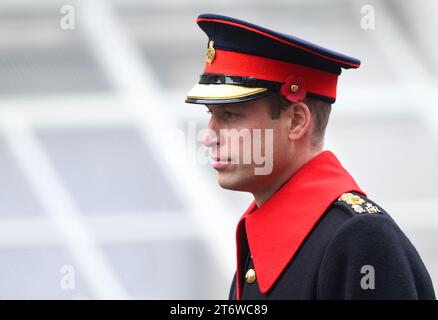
x=299, y=120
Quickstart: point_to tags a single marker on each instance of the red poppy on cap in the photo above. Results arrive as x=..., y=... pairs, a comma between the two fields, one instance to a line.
x=294, y=89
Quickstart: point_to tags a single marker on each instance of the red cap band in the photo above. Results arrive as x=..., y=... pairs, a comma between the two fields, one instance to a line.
x=240, y=64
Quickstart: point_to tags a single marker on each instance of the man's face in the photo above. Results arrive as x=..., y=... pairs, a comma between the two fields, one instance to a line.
x=247, y=145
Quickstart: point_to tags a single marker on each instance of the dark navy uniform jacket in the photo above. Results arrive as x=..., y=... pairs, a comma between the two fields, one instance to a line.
x=303, y=244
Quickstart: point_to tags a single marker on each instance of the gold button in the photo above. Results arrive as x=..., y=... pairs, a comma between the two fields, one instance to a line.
x=294, y=88
x=250, y=276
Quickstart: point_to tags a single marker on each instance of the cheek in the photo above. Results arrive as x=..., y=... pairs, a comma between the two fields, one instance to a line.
x=271, y=140
x=285, y=152
x=258, y=140
x=238, y=145
x=259, y=143
x=278, y=144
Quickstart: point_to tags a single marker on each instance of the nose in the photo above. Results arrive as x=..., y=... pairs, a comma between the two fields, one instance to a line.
x=210, y=138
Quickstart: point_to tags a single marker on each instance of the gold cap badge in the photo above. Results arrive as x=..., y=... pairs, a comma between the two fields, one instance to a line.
x=211, y=53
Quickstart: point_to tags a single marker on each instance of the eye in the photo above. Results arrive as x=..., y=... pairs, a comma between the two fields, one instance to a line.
x=208, y=111
x=229, y=115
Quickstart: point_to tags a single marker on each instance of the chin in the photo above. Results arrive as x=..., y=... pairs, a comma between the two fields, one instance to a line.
x=232, y=181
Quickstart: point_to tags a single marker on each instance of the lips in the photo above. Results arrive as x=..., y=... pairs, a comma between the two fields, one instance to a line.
x=227, y=160
x=220, y=164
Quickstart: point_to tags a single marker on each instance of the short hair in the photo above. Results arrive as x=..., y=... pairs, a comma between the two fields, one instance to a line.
x=319, y=109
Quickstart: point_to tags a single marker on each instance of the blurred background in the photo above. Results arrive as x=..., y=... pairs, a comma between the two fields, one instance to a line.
x=97, y=197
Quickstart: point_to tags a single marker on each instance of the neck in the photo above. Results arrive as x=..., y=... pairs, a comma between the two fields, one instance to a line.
x=279, y=179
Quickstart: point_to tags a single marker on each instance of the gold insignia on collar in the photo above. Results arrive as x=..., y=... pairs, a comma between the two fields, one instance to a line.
x=371, y=209
x=351, y=199
x=211, y=53
x=358, y=208
x=358, y=204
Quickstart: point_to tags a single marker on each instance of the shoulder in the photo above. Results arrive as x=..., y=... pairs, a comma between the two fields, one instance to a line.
x=355, y=216
x=350, y=217
x=368, y=224
x=369, y=238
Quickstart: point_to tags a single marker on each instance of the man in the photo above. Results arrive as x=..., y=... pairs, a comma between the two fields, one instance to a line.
x=311, y=232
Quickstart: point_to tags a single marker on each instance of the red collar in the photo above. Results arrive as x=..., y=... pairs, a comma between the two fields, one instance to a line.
x=276, y=230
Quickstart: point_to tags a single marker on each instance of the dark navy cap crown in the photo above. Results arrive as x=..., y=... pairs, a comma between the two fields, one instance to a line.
x=293, y=49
